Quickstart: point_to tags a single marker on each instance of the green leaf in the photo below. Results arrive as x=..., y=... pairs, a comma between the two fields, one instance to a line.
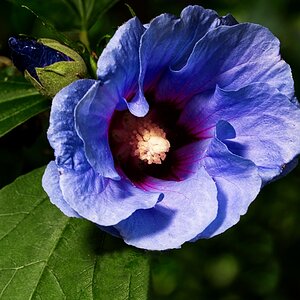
x=59, y=36
x=132, y=12
x=45, y=255
x=57, y=12
x=68, y=14
x=19, y=101
x=100, y=8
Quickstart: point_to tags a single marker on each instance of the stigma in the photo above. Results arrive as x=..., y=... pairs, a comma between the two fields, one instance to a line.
x=148, y=142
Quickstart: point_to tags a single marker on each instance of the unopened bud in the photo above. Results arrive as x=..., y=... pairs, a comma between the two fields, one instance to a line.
x=46, y=63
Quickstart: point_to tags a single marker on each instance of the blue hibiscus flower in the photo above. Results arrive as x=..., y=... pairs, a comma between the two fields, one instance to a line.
x=188, y=119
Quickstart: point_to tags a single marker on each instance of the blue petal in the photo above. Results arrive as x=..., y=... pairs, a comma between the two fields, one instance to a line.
x=169, y=41
x=119, y=64
x=266, y=123
x=238, y=183
x=228, y=20
x=138, y=106
x=225, y=131
x=119, y=61
x=295, y=101
x=50, y=184
x=92, y=196
x=267, y=126
x=196, y=113
x=230, y=57
x=187, y=208
x=62, y=135
x=103, y=201
x=287, y=168
x=92, y=119
x=188, y=158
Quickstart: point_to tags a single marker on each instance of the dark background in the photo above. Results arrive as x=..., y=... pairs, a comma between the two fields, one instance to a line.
x=258, y=258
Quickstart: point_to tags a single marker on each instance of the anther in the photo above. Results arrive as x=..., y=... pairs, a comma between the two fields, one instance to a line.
x=148, y=142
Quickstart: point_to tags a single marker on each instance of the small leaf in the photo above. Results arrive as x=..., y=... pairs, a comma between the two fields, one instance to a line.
x=99, y=10
x=59, y=36
x=45, y=255
x=132, y=12
x=67, y=15
x=18, y=102
x=57, y=12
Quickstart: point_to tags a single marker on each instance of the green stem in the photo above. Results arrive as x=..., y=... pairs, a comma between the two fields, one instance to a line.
x=93, y=66
x=83, y=37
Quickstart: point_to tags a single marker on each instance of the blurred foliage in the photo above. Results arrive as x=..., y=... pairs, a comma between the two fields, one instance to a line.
x=258, y=258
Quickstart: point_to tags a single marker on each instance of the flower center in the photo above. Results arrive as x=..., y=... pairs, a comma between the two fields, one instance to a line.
x=148, y=142
x=140, y=138
x=150, y=146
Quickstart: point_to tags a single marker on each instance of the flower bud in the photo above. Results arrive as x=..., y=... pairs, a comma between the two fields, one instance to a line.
x=46, y=63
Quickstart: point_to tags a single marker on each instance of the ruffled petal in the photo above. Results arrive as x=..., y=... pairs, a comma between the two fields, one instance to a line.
x=169, y=41
x=119, y=64
x=238, y=183
x=231, y=57
x=104, y=201
x=267, y=126
x=119, y=61
x=266, y=122
x=62, y=135
x=92, y=119
x=138, y=106
x=187, y=208
x=228, y=20
x=225, y=131
x=50, y=184
x=92, y=196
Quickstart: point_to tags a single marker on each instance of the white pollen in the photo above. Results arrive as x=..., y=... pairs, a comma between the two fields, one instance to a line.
x=157, y=144
x=149, y=142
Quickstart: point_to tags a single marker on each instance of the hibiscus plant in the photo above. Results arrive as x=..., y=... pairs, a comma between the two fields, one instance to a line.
x=161, y=138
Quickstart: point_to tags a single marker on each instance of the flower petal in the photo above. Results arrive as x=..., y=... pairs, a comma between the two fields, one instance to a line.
x=169, y=41
x=119, y=60
x=230, y=57
x=267, y=126
x=138, y=106
x=228, y=20
x=50, y=184
x=238, y=183
x=92, y=119
x=187, y=208
x=62, y=135
x=119, y=64
x=104, y=201
x=225, y=131
x=266, y=122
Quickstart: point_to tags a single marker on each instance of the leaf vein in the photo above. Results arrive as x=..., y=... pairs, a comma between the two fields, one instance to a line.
x=48, y=258
x=58, y=283
x=21, y=110
x=8, y=283
x=24, y=218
